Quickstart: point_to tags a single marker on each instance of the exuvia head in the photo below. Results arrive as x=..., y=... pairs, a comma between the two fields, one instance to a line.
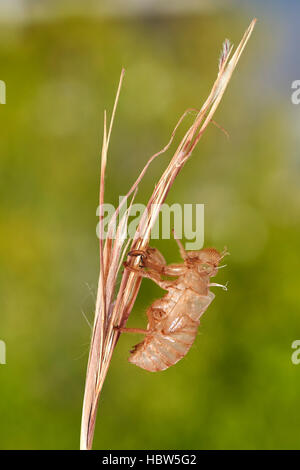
x=206, y=260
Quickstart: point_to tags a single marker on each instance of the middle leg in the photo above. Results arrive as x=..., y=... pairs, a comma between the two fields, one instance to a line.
x=150, y=274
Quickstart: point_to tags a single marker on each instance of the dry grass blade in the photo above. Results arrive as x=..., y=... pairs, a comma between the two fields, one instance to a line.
x=113, y=308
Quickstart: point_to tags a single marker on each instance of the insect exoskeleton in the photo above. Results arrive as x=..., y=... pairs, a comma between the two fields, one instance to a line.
x=173, y=320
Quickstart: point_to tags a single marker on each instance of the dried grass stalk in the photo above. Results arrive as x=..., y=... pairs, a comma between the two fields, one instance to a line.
x=113, y=307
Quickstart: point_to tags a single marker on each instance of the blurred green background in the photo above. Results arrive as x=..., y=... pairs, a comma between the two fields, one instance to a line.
x=237, y=387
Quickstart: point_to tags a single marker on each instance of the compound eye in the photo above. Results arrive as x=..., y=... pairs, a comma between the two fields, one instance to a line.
x=204, y=266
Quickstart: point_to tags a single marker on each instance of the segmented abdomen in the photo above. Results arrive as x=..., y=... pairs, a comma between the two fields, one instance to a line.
x=172, y=338
x=159, y=351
